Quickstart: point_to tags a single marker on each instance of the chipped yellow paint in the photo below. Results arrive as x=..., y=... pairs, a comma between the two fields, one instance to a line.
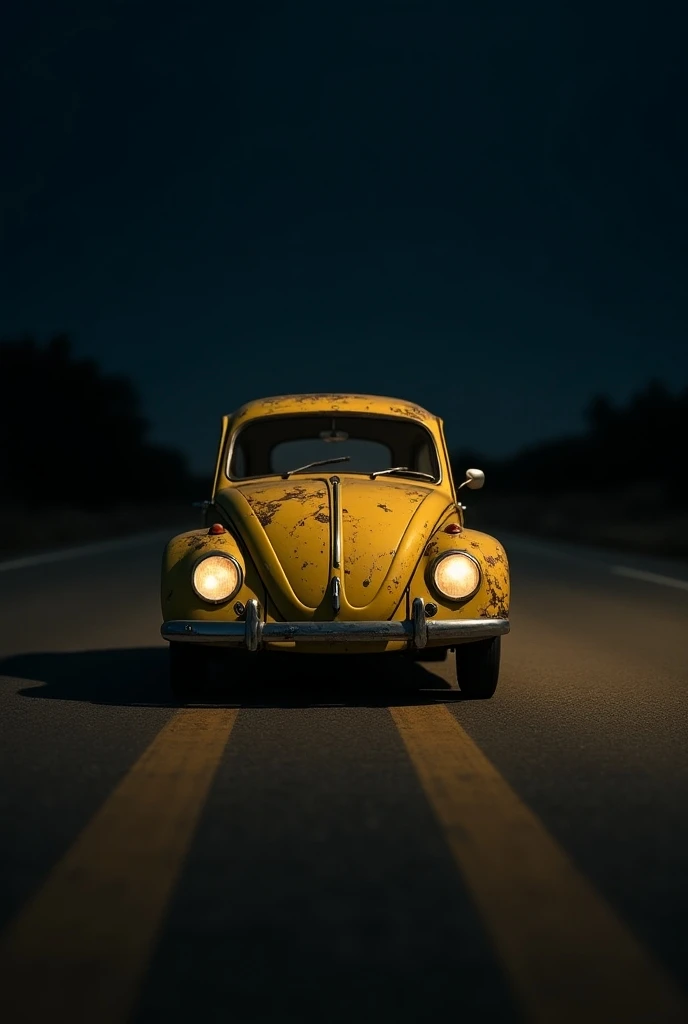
x=377, y=516
x=330, y=405
x=492, y=599
x=288, y=405
x=286, y=526
x=391, y=529
x=177, y=596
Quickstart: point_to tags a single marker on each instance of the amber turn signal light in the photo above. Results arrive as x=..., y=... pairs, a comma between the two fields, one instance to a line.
x=217, y=528
x=452, y=528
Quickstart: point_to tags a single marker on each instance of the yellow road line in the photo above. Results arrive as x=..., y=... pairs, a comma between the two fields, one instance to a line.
x=78, y=950
x=568, y=957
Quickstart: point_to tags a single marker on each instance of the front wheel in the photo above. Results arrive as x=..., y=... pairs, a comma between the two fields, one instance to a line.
x=477, y=668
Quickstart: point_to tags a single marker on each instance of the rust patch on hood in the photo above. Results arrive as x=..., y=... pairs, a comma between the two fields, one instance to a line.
x=266, y=510
x=291, y=523
x=376, y=516
x=385, y=527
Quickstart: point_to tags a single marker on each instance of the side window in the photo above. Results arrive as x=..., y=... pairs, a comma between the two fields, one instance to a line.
x=423, y=460
x=238, y=466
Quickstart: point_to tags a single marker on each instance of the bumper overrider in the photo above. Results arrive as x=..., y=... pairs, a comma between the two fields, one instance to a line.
x=252, y=632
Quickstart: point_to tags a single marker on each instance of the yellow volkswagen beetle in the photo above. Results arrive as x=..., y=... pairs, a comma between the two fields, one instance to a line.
x=334, y=525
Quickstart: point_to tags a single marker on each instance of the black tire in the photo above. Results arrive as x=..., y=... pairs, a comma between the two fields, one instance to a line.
x=188, y=671
x=477, y=668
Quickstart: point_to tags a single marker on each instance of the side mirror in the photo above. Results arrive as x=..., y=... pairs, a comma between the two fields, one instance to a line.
x=475, y=479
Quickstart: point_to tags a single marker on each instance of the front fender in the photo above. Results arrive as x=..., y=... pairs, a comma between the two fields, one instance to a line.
x=177, y=597
x=493, y=596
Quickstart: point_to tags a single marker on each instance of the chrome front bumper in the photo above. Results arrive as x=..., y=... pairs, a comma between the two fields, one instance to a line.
x=253, y=632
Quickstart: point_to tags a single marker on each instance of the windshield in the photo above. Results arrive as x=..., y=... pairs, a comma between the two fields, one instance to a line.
x=281, y=444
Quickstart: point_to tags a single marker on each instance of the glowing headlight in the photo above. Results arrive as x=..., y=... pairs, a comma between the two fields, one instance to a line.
x=216, y=578
x=456, y=576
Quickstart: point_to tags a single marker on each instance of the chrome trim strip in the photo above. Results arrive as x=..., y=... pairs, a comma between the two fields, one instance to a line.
x=238, y=634
x=253, y=625
x=336, y=600
x=335, y=519
x=420, y=623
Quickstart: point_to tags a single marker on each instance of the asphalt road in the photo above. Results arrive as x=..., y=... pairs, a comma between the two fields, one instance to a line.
x=352, y=846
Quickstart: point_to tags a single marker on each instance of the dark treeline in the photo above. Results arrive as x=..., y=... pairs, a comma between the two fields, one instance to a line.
x=73, y=435
x=641, y=443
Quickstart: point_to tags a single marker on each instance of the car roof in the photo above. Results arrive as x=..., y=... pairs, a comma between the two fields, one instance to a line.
x=326, y=403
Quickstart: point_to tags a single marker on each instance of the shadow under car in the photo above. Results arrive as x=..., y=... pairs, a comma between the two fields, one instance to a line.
x=140, y=676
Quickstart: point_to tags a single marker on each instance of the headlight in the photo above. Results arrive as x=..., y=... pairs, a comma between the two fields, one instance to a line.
x=216, y=578
x=456, y=576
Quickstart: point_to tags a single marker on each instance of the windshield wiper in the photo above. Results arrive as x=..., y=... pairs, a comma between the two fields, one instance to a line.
x=312, y=465
x=402, y=469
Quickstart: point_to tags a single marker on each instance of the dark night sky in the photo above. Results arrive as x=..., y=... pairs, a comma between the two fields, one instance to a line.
x=481, y=207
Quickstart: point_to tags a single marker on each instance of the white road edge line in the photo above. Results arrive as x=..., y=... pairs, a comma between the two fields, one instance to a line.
x=64, y=554
x=534, y=548
x=649, y=577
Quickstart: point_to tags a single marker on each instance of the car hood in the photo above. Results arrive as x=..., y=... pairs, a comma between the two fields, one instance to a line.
x=287, y=528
